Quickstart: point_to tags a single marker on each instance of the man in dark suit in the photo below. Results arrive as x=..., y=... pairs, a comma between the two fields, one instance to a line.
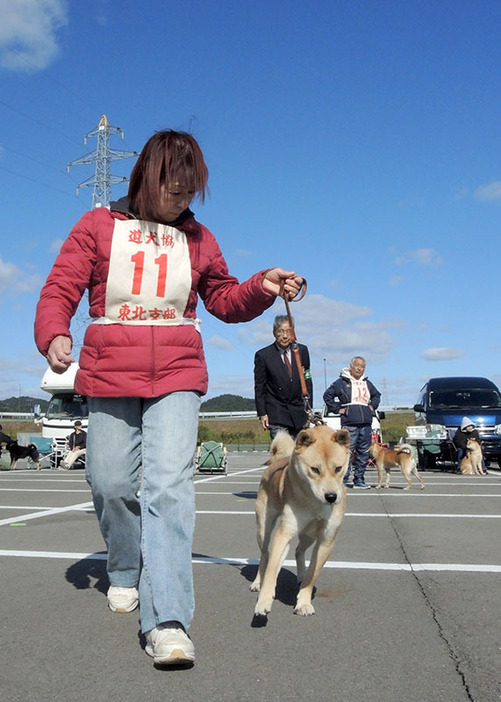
x=277, y=387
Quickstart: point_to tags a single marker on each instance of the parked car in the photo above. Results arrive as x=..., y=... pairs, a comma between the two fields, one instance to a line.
x=442, y=404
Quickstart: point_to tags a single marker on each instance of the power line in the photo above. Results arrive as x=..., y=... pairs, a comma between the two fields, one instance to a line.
x=33, y=180
x=37, y=121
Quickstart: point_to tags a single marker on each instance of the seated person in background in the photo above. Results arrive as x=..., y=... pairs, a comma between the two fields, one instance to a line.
x=466, y=431
x=77, y=442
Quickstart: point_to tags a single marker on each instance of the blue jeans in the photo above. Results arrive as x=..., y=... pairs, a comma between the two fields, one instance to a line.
x=360, y=442
x=146, y=446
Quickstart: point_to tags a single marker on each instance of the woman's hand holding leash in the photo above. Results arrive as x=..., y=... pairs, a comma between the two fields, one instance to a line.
x=284, y=283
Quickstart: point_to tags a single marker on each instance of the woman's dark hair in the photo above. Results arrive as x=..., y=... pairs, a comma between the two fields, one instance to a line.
x=166, y=156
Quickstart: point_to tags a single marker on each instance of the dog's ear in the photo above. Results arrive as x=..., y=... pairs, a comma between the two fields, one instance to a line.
x=304, y=439
x=342, y=437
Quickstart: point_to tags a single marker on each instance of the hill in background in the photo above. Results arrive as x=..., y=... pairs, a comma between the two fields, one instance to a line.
x=222, y=403
x=22, y=404
x=229, y=403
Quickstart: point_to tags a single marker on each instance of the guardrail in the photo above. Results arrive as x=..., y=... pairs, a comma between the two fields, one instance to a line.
x=16, y=415
x=233, y=414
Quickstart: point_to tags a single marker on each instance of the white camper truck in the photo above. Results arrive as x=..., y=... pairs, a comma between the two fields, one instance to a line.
x=65, y=407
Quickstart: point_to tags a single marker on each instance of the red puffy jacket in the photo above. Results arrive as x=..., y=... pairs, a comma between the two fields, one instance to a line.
x=138, y=359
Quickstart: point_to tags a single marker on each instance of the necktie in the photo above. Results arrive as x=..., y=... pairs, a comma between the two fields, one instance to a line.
x=288, y=364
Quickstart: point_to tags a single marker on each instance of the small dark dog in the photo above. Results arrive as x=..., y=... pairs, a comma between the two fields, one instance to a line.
x=17, y=452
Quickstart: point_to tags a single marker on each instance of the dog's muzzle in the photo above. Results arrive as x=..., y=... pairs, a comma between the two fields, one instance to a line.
x=330, y=497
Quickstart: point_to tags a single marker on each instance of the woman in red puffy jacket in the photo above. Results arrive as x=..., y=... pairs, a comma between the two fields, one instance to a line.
x=145, y=262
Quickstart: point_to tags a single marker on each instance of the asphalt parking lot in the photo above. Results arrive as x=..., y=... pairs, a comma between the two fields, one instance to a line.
x=407, y=606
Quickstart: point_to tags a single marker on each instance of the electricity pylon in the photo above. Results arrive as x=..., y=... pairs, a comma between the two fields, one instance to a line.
x=102, y=180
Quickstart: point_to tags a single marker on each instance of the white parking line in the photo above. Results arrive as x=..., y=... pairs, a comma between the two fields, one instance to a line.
x=385, y=515
x=342, y=565
x=419, y=494
x=40, y=490
x=246, y=513
x=221, y=477
x=29, y=507
x=42, y=479
x=47, y=513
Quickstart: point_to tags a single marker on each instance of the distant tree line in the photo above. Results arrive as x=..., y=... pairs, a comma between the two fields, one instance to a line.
x=228, y=403
x=222, y=403
x=22, y=403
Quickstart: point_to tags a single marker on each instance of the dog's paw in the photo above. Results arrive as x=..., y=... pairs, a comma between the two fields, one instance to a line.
x=255, y=586
x=262, y=608
x=304, y=610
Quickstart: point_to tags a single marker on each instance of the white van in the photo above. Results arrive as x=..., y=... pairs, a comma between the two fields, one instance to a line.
x=65, y=406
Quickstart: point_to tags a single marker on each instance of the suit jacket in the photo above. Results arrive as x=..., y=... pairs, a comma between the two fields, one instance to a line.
x=276, y=394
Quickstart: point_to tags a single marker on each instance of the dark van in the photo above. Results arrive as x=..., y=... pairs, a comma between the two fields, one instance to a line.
x=445, y=401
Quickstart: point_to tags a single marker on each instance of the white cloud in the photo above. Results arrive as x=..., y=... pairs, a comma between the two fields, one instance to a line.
x=243, y=253
x=423, y=257
x=395, y=280
x=28, y=33
x=56, y=245
x=441, y=353
x=9, y=273
x=101, y=13
x=22, y=376
x=490, y=192
x=331, y=329
x=15, y=281
x=333, y=285
x=219, y=342
x=461, y=194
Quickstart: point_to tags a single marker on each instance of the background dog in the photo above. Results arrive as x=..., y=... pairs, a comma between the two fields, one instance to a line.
x=471, y=464
x=401, y=456
x=301, y=494
x=17, y=452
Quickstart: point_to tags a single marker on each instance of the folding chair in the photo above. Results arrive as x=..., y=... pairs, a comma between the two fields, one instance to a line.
x=211, y=457
x=45, y=446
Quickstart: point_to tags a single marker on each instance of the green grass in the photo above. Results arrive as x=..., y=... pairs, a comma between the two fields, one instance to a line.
x=249, y=431
x=395, y=425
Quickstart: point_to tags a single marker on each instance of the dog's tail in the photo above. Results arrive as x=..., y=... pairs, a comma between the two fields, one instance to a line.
x=404, y=448
x=282, y=446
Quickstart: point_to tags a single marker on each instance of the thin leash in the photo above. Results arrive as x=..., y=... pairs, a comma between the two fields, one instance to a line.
x=312, y=417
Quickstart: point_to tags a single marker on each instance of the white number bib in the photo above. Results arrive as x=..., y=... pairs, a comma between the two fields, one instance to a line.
x=149, y=278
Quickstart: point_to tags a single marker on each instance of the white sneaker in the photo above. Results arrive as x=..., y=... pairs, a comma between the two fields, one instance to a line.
x=122, y=599
x=169, y=646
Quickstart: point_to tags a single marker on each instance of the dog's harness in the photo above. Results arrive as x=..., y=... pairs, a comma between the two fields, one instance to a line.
x=312, y=417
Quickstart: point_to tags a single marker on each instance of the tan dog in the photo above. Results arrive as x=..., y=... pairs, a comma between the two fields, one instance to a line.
x=471, y=464
x=301, y=494
x=401, y=456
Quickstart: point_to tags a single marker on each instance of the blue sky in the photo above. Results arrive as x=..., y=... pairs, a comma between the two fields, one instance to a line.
x=353, y=141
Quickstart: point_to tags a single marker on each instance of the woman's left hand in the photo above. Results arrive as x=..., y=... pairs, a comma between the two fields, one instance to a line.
x=277, y=280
